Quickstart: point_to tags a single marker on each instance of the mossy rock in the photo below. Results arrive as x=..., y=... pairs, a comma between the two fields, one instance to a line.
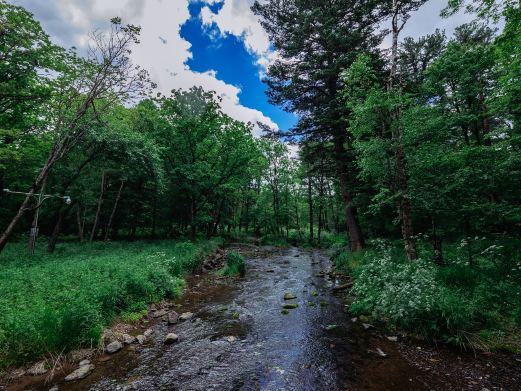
x=236, y=315
x=314, y=293
x=291, y=306
x=289, y=296
x=284, y=311
x=324, y=303
x=364, y=318
x=311, y=303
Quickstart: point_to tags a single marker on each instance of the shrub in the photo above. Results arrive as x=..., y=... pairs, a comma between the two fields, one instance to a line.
x=454, y=302
x=234, y=265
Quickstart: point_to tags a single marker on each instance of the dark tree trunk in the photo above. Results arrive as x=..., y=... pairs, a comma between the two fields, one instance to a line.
x=356, y=238
x=114, y=208
x=320, y=208
x=80, y=224
x=192, y=219
x=310, y=204
x=53, y=156
x=53, y=239
x=154, y=212
x=98, y=210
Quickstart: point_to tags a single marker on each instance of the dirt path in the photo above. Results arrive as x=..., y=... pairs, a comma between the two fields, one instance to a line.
x=239, y=339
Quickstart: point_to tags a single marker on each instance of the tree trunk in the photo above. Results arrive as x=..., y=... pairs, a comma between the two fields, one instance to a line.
x=310, y=204
x=113, y=213
x=320, y=208
x=192, y=219
x=53, y=239
x=356, y=238
x=80, y=225
x=25, y=204
x=436, y=244
x=405, y=212
x=154, y=211
x=100, y=202
x=404, y=205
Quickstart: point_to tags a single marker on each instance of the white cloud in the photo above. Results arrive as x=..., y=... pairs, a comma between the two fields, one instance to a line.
x=236, y=18
x=162, y=51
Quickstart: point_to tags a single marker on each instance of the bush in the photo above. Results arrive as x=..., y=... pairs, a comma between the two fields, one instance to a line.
x=454, y=302
x=234, y=265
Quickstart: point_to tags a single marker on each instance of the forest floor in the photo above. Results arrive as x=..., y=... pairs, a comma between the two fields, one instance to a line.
x=240, y=337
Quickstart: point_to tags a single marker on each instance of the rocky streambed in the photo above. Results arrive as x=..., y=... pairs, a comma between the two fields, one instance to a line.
x=284, y=326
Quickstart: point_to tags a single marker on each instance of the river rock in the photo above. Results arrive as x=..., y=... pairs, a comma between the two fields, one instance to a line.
x=289, y=296
x=171, y=338
x=37, y=369
x=159, y=313
x=80, y=373
x=173, y=317
x=113, y=347
x=84, y=362
x=367, y=326
x=81, y=354
x=141, y=339
x=231, y=338
x=128, y=339
x=392, y=339
x=148, y=333
x=186, y=316
x=55, y=388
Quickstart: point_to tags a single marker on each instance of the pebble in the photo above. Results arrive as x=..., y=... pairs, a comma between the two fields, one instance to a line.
x=186, y=315
x=128, y=339
x=113, y=347
x=80, y=373
x=171, y=338
x=37, y=369
x=173, y=317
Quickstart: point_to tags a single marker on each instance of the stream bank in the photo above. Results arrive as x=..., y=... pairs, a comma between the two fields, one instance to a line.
x=242, y=338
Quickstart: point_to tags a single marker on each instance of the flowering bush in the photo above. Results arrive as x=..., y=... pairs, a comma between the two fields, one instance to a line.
x=399, y=292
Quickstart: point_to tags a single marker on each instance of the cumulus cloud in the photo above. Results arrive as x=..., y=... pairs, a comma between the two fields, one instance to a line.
x=69, y=22
x=236, y=18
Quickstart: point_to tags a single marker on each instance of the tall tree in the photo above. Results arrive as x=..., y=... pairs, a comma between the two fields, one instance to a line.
x=315, y=42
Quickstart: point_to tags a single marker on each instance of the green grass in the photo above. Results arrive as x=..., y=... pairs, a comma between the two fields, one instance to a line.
x=234, y=265
x=61, y=301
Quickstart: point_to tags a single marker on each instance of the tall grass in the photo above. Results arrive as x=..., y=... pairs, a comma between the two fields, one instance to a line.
x=58, y=302
x=234, y=265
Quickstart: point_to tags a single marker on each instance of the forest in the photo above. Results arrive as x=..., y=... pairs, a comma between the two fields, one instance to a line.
x=404, y=165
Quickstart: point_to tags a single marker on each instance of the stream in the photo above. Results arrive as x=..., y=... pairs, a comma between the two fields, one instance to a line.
x=239, y=339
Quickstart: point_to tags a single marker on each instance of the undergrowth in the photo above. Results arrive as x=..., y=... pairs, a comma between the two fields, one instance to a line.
x=57, y=302
x=471, y=302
